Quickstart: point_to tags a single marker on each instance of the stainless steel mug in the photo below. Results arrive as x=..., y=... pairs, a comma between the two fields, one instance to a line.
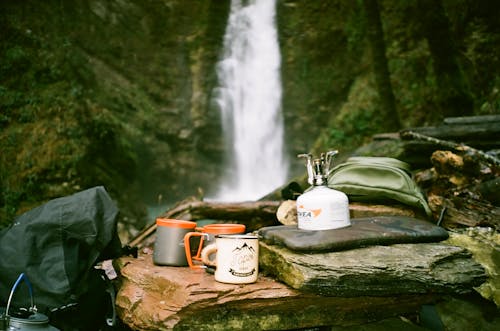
x=169, y=243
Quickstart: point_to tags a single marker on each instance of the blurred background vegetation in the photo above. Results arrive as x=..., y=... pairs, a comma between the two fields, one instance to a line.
x=120, y=93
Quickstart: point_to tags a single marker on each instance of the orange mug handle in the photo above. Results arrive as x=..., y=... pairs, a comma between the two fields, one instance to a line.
x=187, y=248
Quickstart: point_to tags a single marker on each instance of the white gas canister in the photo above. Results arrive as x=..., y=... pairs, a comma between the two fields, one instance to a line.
x=323, y=208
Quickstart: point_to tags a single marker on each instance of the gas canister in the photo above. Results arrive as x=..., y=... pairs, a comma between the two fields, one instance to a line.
x=321, y=207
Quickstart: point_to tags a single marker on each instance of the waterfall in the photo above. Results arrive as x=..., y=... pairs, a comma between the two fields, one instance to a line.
x=249, y=97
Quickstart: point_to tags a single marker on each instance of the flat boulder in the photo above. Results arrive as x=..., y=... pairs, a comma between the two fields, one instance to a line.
x=154, y=297
x=376, y=270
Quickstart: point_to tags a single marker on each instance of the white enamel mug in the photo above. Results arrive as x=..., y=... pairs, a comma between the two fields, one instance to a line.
x=236, y=258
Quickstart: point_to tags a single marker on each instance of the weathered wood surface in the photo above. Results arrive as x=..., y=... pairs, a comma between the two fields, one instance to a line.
x=254, y=215
x=476, y=132
x=376, y=270
x=451, y=145
x=489, y=190
x=464, y=129
x=461, y=193
x=287, y=211
x=165, y=298
x=472, y=119
x=487, y=131
x=465, y=212
x=360, y=209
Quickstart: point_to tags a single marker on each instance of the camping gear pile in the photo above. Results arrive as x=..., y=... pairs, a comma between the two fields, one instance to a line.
x=57, y=246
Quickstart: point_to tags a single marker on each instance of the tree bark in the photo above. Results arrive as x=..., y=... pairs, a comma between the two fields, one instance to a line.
x=486, y=132
x=375, y=36
x=454, y=96
x=452, y=145
x=459, y=212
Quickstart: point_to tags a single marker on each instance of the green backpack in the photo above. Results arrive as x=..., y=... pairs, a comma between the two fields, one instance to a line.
x=365, y=178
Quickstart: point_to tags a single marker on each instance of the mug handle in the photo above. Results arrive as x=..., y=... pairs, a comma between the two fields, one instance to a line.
x=205, y=255
x=187, y=248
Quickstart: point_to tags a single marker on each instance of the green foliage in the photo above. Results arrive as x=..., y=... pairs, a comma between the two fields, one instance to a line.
x=85, y=104
x=482, y=52
x=37, y=160
x=491, y=102
x=413, y=82
x=355, y=27
x=356, y=121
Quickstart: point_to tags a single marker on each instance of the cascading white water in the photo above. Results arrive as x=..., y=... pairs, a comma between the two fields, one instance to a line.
x=249, y=97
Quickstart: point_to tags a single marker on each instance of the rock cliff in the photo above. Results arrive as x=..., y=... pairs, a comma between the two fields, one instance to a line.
x=120, y=93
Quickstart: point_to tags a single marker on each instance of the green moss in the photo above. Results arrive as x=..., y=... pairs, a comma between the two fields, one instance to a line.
x=100, y=94
x=483, y=243
x=356, y=121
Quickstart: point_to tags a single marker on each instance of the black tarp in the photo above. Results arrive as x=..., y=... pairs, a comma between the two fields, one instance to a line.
x=57, y=245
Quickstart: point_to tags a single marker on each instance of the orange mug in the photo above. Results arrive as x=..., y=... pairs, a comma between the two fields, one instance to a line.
x=207, y=235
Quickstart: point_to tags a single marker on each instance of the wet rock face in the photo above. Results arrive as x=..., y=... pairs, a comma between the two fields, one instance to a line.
x=369, y=288
x=377, y=270
x=117, y=93
x=484, y=245
x=152, y=64
x=122, y=94
x=164, y=298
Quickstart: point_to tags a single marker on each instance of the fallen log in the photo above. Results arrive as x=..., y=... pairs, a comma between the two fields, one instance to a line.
x=254, y=214
x=462, y=192
x=241, y=211
x=459, y=211
x=472, y=119
x=489, y=190
x=452, y=145
x=478, y=132
x=465, y=129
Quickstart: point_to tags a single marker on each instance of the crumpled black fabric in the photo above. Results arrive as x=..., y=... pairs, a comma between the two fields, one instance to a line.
x=57, y=246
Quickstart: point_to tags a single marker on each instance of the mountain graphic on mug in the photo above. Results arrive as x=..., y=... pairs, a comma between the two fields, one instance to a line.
x=243, y=248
